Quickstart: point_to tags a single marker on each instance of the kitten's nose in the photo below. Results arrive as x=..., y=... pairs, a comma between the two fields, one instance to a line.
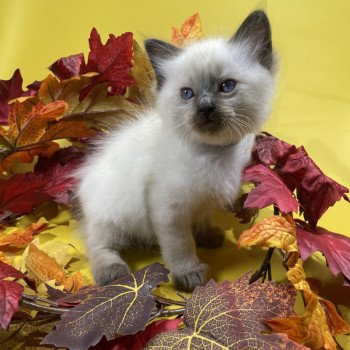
x=206, y=109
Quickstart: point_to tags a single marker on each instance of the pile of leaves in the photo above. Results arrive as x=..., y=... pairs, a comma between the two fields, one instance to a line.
x=50, y=126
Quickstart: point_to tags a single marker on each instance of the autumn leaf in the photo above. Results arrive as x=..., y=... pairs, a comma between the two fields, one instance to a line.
x=139, y=340
x=23, y=236
x=122, y=307
x=142, y=90
x=245, y=214
x=68, y=67
x=276, y=231
x=10, y=293
x=335, y=247
x=319, y=321
x=111, y=61
x=96, y=110
x=228, y=315
x=74, y=282
x=41, y=267
x=190, y=31
x=28, y=333
x=9, y=90
x=270, y=190
x=18, y=195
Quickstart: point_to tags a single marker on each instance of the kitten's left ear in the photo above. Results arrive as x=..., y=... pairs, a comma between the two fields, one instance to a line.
x=158, y=52
x=255, y=32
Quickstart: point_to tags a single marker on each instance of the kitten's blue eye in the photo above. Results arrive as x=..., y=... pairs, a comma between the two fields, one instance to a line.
x=227, y=86
x=187, y=93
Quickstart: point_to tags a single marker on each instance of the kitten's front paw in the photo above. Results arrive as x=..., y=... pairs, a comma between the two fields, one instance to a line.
x=189, y=280
x=106, y=274
x=212, y=237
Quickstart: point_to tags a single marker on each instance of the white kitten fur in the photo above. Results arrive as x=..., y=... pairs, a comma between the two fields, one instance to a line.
x=153, y=178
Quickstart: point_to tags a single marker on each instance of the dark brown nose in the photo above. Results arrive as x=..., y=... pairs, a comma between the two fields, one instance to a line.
x=206, y=109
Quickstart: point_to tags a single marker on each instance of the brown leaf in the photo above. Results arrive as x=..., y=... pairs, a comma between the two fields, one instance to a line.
x=42, y=268
x=190, y=31
x=276, y=231
x=23, y=236
x=96, y=111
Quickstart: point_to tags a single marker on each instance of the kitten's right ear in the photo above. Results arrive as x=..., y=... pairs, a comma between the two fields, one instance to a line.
x=158, y=52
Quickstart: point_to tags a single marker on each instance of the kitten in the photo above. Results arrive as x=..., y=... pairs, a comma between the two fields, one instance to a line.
x=156, y=179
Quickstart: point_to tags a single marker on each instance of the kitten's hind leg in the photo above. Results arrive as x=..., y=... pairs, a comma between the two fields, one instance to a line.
x=206, y=234
x=104, y=246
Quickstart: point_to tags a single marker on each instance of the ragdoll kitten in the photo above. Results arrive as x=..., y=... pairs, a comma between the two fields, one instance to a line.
x=157, y=178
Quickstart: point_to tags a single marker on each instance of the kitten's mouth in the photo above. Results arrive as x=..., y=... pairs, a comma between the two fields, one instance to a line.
x=209, y=125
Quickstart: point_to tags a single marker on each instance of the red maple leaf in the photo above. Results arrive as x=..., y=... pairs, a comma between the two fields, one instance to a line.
x=112, y=61
x=270, y=190
x=335, y=247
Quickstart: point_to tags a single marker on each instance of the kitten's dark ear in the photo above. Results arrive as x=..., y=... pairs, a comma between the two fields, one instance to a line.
x=158, y=52
x=255, y=31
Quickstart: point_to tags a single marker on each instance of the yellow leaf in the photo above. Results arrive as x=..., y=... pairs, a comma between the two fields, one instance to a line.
x=74, y=282
x=41, y=267
x=190, y=31
x=276, y=231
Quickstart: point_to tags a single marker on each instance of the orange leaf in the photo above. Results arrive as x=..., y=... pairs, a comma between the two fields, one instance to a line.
x=190, y=31
x=23, y=236
x=74, y=282
x=42, y=268
x=276, y=231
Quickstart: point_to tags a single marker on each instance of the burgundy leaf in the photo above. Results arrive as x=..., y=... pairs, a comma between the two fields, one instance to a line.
x=10, y=294
x=68, y=67
x=139, y=340
x=270, y=190
x=334, y=246
x=18, y=195
x=111, y=61
x=270, y=150
x=9, y=90
x=316, y=192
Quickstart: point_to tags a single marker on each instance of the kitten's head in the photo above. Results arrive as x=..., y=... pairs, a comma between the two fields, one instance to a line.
x=216, y=90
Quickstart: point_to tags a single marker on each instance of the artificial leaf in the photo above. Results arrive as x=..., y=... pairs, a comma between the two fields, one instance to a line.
x=23, y=236
x=41, y=267
x=190, y=31
x=319, y=321
x=270, y=190
x=9, y=90
x=139, y=340
x=122, y=307
x=68, y=67
x=18, y=195
x=316, y=192
x=335, y=247
x=143, y=73
x=10, y=293
x=270, y=150
x=276, y=231
x=74, y=282
x=96, y=110
x=227, y=316
x=112, y=61
x=23, y=334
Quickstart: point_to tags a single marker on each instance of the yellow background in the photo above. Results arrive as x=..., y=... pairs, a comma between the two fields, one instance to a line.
x=312, y=38
x=312, y=106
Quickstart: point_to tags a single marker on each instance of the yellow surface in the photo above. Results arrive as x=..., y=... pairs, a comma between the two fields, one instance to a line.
x=312, y=106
